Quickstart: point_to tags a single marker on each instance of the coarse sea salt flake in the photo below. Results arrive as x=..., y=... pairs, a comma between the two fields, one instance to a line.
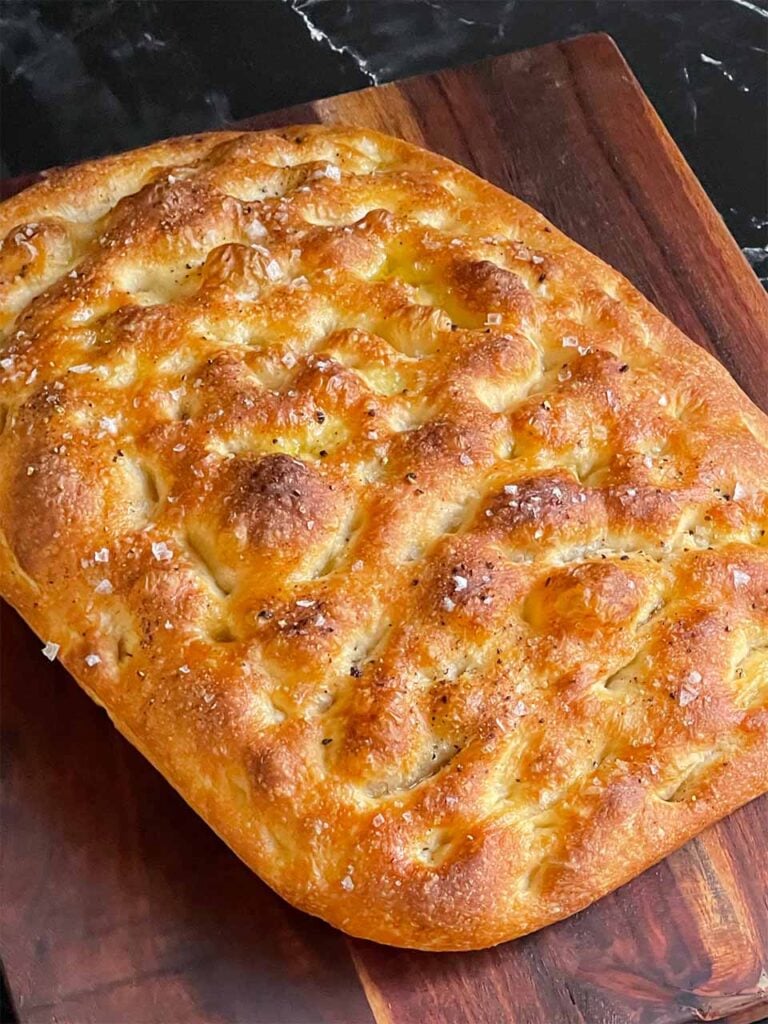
x=91, y=660
x=347, y=883
x=460, y=582
x=51, y=650
x=81, y=368
x=255, y=229
x=272, y=270
x=161, y=551
x=109, y=423
x=739, y=491
x=740, y=578
x=493, y=319
x=102, y=555
x=103, y=587
x=687, y=695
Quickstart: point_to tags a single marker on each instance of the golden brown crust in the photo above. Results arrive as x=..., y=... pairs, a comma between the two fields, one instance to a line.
x=415, y=548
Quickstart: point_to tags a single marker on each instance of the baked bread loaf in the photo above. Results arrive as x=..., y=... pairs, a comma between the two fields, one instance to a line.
x=417, y=550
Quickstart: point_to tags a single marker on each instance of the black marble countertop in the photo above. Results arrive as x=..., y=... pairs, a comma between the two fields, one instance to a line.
x=85, y=78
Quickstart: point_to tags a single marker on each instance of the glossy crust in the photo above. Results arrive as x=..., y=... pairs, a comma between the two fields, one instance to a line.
x=413, y=546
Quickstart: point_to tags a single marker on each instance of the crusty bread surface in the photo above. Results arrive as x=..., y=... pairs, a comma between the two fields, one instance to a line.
x=415, y=548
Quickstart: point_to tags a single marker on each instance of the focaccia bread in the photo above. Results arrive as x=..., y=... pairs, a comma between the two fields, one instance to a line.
x=417, y=550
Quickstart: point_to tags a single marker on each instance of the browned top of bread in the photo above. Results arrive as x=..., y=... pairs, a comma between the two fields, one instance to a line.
x=417, y=550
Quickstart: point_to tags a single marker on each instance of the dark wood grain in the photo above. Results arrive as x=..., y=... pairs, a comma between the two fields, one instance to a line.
x=120, y=905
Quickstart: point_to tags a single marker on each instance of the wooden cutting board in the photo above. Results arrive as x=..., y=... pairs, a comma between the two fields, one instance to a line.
x=119, y=904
